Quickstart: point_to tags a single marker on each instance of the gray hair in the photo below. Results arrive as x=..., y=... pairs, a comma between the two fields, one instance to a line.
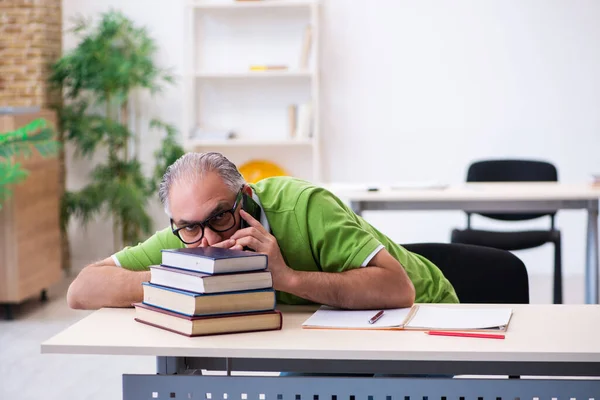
x=193, y=166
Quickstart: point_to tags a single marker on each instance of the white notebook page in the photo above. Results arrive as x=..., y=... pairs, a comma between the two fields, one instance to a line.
x=432, y=317
x=326, y=317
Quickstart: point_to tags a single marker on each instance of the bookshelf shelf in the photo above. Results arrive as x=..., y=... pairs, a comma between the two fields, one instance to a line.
x=254, y=74
x=197, y=143
x=274, y=112
x=262, y=4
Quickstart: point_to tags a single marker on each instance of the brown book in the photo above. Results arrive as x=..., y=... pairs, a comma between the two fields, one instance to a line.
x=196, y=304
x=204, y=326
x=205, y=283
x=306, y=48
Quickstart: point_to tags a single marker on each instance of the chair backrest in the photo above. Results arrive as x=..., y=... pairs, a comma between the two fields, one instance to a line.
x=512, y=171
x=479, y=274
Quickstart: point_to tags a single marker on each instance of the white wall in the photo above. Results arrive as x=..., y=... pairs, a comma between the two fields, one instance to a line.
x=417, y=90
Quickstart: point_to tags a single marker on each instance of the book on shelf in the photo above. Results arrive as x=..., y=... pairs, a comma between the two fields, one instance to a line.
x=207, y=325
x=199, y=282
x=306, y=48
x=292, y=118
x=197, y=304
x=214, y=260
x=212, y=134
x=255, y=67
x=417, y=317
x=304, y=121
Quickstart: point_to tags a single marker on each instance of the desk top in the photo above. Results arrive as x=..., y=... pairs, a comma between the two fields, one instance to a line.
x=522, y=191
x=551, y=333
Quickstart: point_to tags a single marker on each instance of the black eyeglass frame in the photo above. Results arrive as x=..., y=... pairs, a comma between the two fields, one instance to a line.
x=206, y=222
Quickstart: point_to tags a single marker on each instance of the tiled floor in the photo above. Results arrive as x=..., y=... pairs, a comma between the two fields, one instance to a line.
x=26, y=374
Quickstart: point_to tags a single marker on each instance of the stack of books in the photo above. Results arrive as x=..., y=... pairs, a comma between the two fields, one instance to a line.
x=208, y=291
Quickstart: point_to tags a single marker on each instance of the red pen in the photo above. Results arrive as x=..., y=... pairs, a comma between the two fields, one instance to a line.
x=376, y=317
x=465, y=334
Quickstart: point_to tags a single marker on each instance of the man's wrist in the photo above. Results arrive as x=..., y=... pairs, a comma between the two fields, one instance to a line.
x=290, y=281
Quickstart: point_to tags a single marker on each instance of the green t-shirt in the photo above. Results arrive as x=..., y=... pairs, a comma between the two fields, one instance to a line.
x=315, y=231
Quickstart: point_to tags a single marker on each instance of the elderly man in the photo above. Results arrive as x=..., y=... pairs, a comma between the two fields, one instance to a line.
x=319, y=251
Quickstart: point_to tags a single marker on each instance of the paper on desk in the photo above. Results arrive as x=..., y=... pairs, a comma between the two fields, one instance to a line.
x=384, y=186
x=446, y=318
x=418, y=185
x=422, y=317
x=330, y=318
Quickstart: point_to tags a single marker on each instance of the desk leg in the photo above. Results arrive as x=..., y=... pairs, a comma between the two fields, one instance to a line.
x=591, y=264
x=170, y=365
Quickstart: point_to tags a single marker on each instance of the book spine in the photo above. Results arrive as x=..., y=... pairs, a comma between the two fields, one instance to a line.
x=258, y=310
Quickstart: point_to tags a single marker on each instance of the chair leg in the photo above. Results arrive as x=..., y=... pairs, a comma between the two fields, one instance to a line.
x=558, y=295
x=8, y=312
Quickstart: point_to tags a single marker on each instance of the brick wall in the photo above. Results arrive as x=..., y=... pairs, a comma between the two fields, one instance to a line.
x=30, y=40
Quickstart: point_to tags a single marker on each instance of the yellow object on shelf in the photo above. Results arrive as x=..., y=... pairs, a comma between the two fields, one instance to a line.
x=268, y=68
x=255, y=170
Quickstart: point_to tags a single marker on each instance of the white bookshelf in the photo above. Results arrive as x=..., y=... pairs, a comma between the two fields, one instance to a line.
x=199, y=143
x=237, y=5
x=223, y=39
x=254, y=75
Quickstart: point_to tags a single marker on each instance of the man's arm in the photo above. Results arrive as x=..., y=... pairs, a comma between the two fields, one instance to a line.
x=104, y=284
x=382, y=284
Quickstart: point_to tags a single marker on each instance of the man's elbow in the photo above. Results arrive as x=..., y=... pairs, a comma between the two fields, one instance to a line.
x=76, y=294
x=405, y=293
x=409, y=294
x=73, y=298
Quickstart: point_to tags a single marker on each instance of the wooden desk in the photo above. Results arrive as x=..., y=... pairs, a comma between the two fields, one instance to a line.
x=492, y=197
x=559, y=340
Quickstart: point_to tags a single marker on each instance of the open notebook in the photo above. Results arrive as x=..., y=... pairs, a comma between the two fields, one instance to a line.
x=418, y=317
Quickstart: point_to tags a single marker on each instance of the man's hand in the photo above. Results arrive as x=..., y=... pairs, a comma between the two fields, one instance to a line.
x=257, y=238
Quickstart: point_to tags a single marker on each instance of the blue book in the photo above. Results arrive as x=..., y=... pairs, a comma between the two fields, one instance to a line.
x=214, y=260
x=197, y=304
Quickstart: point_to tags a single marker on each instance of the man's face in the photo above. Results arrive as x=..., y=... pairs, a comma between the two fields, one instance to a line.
x=206, y=197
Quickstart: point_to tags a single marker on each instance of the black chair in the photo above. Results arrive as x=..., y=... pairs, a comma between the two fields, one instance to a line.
x=514, y=171
x=478, y=274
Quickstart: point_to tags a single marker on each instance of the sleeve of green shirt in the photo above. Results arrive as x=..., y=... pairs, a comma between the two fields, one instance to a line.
x=337, y=236
x=141, y=256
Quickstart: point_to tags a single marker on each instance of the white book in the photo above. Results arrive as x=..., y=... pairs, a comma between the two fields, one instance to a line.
x=198, y=282
x=304, y=121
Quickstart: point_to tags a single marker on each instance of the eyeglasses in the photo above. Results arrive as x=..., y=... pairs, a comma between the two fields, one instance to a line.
x=219, y=222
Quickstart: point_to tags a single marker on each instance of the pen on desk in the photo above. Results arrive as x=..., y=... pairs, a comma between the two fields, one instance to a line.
x=376, y=317
x=465, y=334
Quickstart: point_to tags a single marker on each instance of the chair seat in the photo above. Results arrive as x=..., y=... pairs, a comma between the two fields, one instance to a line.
x=478, y=274
x=505, y=240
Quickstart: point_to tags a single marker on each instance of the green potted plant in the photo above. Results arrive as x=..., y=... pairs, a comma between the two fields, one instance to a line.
x=114, y=60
